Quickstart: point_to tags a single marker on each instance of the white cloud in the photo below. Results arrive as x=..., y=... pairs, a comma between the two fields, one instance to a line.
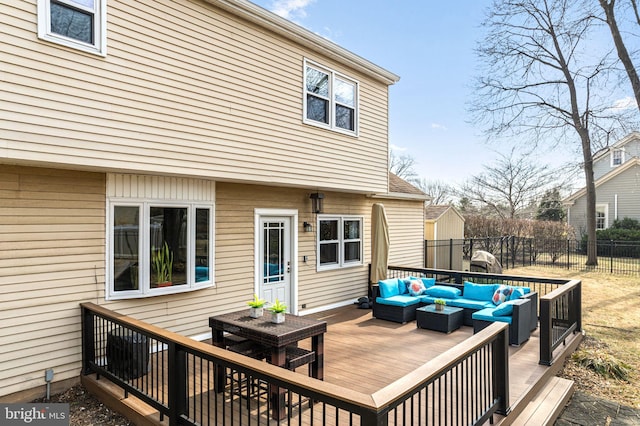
x=624, y=103
x=397, y=148
x=291, y=9
x=438, y=126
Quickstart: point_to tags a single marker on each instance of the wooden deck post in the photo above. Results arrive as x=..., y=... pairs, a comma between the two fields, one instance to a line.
x=88, y=344
x=500, y=349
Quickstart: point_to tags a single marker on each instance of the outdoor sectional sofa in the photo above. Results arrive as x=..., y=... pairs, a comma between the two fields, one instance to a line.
x=396, y=299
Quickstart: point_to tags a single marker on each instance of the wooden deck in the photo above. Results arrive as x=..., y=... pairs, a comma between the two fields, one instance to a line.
x=365, y=354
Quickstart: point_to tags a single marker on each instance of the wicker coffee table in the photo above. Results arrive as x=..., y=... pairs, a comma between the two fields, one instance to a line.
x=445, y=321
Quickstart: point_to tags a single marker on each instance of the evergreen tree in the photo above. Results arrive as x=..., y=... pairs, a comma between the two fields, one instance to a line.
x=550, y=207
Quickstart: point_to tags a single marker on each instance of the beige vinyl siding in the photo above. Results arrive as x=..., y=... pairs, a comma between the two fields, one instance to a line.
x=186, y=89
x=51, y=258
x=406, y=232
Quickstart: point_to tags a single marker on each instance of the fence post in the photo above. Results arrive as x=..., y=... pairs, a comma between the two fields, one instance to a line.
x=568, y=260
x=611, y=256
x=426, y=253
x=450, y=254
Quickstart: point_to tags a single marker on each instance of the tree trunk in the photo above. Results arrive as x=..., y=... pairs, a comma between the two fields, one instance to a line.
x=623, y=54
x=592, y=254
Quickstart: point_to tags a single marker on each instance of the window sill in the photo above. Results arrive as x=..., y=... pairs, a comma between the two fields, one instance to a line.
x=157, y=292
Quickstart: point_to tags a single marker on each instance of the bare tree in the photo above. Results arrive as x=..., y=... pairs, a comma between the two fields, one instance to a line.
x=439, y=191
x=609, y=8
x=544, y=79
x=509, y=185
x=402, y=166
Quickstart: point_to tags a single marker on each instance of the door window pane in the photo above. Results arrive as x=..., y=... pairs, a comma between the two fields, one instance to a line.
x=273, y=252
x=126, y=241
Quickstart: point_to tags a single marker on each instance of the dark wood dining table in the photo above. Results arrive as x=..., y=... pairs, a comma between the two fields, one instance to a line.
x=275, y=336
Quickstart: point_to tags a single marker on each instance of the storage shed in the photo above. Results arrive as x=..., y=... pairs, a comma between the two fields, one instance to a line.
x=441, y=225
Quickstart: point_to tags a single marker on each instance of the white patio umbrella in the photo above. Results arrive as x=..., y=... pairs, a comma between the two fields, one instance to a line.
x=379, y=243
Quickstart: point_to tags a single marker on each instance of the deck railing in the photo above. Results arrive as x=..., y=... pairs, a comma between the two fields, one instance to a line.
x=176, y=375
x=560, y=300
x=560, y=316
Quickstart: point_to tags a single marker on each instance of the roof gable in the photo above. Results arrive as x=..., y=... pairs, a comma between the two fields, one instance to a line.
x=619, y=144
x=435, y=212
x=612, y=174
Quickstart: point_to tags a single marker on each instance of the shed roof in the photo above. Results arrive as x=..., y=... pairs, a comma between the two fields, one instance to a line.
x=435, y=212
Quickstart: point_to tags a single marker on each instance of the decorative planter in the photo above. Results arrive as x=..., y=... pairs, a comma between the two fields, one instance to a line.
x=165, y=284
x=439, y=307
x=277, y=317
x=256, y=312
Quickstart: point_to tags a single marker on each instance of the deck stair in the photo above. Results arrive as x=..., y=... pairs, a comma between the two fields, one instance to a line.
x=547, y=405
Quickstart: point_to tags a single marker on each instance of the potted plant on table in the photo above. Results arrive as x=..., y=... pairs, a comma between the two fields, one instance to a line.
x=277, y=312
x=256, y=307
x=162, y=264
x=440, y=304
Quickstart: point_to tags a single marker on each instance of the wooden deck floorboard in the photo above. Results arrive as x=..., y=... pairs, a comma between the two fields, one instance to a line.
x=365, y=354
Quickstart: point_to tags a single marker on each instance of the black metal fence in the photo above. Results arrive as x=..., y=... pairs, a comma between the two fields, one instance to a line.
x=615, y=257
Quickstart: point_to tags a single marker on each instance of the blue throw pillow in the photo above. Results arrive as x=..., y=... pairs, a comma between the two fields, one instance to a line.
x=428, y=282
x=403, y=285
x=478, y=291
x=443, y=291
x=416, y=287
x=389, y=287
x=517, y=293
x=503, y=310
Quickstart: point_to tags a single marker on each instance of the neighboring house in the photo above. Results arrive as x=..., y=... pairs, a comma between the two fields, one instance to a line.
x=205, y=130
x=443, y=223
x=617, y=178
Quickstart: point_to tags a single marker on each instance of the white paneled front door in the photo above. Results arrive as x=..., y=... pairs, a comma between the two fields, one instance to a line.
x=274, y=259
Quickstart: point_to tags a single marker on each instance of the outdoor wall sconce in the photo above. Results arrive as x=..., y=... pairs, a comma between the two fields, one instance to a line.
x=316, y=202
x=307, y=227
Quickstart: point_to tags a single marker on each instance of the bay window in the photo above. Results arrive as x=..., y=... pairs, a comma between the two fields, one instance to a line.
x=159, y=248
x=339, y=241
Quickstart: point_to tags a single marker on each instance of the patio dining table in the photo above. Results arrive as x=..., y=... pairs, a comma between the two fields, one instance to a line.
x=275, y=336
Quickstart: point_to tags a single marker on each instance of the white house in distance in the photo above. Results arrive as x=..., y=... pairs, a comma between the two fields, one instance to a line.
x=244, y=148
x=617, y=177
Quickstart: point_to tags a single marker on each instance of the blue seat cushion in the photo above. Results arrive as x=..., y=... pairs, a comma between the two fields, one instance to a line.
x=478, y=291
x=399, y=300
x=389, y=287
x=486, y=314
x=463, y=302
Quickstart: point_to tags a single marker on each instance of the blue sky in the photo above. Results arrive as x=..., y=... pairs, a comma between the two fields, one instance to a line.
x=430, y=45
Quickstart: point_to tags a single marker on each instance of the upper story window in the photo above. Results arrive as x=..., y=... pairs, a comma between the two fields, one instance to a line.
x=331, y=100
x=339, y=241
x=80, y=24
x=617, y=157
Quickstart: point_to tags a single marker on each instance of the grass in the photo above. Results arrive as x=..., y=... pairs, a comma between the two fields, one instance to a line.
x=608, y=362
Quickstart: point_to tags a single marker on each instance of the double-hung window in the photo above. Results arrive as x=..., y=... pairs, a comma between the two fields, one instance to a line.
x=80, y=24
x=159, y=247
x=331, y=99
x=617, y=157
x=339, y=241
x=602, y=211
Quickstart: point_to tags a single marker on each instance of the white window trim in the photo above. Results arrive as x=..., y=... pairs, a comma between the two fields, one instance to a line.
x=341, y=240
x=605, y=208
x=622, y=157
x=144, y=256
x=332, y=102
x=99, y=47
